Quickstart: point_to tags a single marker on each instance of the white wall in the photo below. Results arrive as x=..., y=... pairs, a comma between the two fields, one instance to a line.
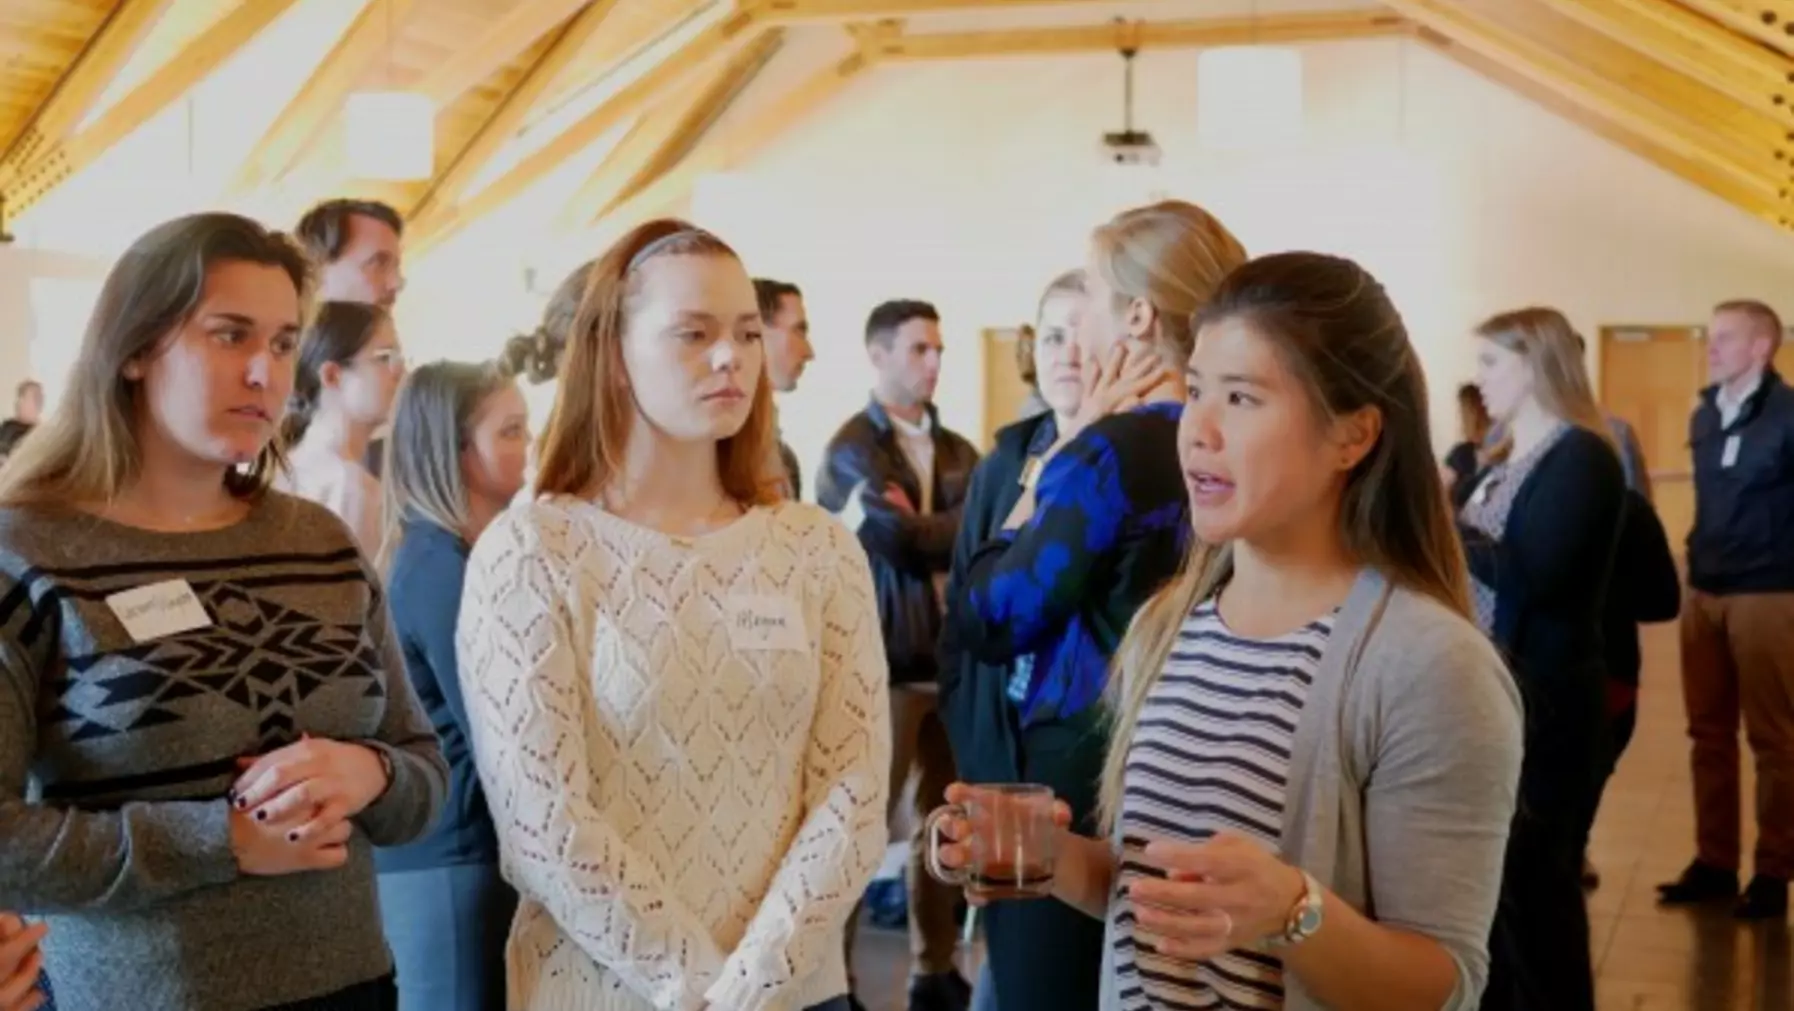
x=42, y=315
x=971, y=184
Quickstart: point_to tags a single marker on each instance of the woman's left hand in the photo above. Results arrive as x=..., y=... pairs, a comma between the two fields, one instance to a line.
x=323, y=780
x=1227, y=893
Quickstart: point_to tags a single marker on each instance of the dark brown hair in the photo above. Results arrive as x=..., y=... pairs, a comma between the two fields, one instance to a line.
x=339, y=332
x=325, y=228
x=87, y=450
x=581, y=450
x=1473, y=414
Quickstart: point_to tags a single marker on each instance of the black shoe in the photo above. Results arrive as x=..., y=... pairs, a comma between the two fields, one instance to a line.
x=1699, y=883
x=940, y=991
x=1765, y=899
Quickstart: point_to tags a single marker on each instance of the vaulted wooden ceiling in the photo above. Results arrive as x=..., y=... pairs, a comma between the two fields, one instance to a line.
x=1702, y=88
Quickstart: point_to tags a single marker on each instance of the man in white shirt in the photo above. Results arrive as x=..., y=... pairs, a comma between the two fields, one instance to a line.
x=900, y=478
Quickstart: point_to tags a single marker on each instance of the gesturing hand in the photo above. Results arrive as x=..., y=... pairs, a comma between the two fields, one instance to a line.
x=1226, y=893
x=313, y=785
x=21, y=962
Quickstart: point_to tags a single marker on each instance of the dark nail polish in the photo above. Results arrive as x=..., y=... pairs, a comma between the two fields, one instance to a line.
x=240, y=802
x=262, y=815
x=293, y=836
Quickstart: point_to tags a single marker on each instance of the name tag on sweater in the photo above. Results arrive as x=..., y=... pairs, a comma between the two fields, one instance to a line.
x=1729, y=455
x=159, y=609
x=766, y=622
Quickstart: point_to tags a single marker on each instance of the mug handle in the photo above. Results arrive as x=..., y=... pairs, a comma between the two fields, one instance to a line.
x=932, y=831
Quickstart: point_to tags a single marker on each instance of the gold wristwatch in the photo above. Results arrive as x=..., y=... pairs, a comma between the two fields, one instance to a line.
x=1304, y=917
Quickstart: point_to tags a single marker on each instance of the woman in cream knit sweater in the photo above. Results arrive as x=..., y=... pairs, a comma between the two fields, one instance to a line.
x=675, y=681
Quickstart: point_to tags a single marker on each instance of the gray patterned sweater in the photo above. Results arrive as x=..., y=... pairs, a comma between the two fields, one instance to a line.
x=115, y=755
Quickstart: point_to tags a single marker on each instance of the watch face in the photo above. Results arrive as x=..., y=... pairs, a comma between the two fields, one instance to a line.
x=1309, y=920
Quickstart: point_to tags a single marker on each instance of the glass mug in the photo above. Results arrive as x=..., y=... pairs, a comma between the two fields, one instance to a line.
x=1013, y=841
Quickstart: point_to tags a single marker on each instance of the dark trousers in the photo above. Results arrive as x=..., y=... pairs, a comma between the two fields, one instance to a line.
x=1066, y=755
x=447, y=928
x=1738, y=665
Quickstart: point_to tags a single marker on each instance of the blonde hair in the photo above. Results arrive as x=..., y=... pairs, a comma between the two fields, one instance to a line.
x=1172, y=255
x=1334, y=328
x=432, y=424
x=88, y=449
x=583, y=442
x=1553, y=353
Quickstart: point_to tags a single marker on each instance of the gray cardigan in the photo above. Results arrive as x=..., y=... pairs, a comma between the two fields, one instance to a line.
x=1402, y=779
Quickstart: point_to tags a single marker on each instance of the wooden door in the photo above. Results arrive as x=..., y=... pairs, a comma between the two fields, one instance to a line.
x=1005, y=394
x=1652, y=376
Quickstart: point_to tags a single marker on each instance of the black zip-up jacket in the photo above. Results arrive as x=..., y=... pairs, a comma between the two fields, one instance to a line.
x=1743, y=536
x=907, y=550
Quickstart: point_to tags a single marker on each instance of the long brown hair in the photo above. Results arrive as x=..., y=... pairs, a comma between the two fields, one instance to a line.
x=1173, y=255
x=1554, y=353
x=338, y=332
x=582, y=445
x=1336, y=330
x=432, y=423
x=88, y=450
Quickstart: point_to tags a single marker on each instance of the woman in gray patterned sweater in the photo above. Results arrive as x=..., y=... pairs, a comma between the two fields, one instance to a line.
x=205, y=728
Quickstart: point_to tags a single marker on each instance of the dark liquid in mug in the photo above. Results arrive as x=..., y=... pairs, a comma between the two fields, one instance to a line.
x=998, y=880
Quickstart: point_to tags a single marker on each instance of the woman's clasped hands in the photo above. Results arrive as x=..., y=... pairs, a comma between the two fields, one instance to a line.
x=290, y=808
x=1216, y=896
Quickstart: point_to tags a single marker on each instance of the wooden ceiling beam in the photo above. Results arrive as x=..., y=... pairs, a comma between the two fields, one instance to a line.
x=459, y=168
x=1618, y=100
x=1692, y=45
x=320, y=100
x=669, y=131
x=720, y=151
x=1770, y=22
x=1674, y=162
x=193, y=64
x=83, y=84
x=650, y=86
x=811, y=11
x=1321, y=26
x=498, y=46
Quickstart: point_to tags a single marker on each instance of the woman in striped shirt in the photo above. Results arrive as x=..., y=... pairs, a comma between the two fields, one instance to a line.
x=1315, y=751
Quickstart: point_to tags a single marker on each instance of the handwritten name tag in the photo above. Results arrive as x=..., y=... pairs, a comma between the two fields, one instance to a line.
x=766, y=622
x=1729, y=455
x=159, y=609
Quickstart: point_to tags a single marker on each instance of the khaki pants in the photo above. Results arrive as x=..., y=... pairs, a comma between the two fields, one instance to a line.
x=919, y=741
x=1738, y=661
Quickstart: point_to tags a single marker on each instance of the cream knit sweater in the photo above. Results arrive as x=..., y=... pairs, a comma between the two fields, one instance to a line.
x=685, y=744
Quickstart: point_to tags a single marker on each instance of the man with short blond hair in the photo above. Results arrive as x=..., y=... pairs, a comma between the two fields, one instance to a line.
x=1738, y=625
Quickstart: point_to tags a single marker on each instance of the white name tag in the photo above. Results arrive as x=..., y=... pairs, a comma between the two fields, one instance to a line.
x=766, y=622
x=158, y=610
x=1729, y=455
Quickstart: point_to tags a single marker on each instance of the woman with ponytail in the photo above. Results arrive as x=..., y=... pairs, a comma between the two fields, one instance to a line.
x=1315, y=751
x=350, y=367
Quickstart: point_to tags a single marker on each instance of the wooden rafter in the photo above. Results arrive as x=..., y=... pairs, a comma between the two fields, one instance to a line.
x=194, y=63
x=1684, y=41
x=499, y=45
x=720, y=151
x=895, y=45
x=368, y=38
x=798, y=11
x=667, y=132
x=83, y=84
x=650, y=86
x=1770, y=22
x=1616, y=101
x=1675, y=162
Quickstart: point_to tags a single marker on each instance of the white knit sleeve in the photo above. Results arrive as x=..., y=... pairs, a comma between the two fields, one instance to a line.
x=524, y=675
x=847, y=765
